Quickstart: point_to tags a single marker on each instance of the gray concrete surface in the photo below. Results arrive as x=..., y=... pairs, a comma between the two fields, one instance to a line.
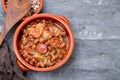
x=96, y=26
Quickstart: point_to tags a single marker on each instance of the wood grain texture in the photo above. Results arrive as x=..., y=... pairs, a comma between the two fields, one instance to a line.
x=15, y=11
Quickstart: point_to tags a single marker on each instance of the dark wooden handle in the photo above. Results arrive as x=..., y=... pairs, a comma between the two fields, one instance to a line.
x=16, y=10
x=2, y=35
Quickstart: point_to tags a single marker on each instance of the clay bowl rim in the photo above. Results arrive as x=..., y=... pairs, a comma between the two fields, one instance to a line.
x=22, y=26
x=38, y=10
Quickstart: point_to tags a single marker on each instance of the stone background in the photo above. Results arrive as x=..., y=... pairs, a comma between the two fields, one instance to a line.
x=96, y=27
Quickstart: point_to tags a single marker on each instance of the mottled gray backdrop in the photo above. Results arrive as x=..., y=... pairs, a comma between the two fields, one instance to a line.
x=96, y=27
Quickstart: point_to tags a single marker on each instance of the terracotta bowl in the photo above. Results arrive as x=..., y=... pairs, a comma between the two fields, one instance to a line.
x=38, y=10
x=61, y=20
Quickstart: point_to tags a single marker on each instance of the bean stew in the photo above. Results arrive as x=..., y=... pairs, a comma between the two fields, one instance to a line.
x=43, y=43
